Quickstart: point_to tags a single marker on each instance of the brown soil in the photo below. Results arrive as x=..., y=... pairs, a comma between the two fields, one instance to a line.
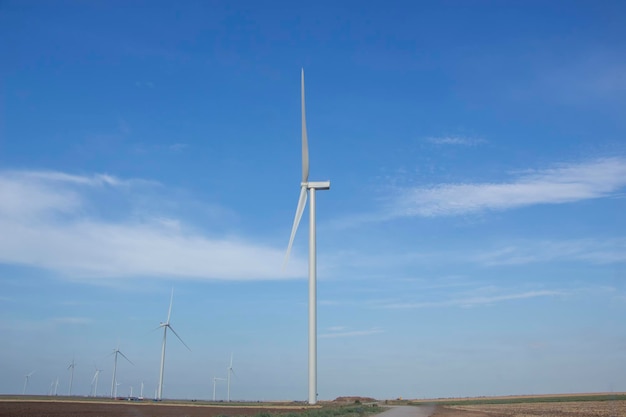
x=561, y=409
x=126, y=409
x=441, y=411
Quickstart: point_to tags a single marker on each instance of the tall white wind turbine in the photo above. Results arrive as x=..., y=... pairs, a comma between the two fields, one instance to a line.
x=26, y=379
x=166, y=326
x=309, y=187
x=71, y=367
x=116, y=352
x=230, y=371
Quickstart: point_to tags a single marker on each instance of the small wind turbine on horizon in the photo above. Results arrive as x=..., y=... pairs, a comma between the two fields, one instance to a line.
x=71, y=367
x=116, y=352
x=166, y=326
x=26, y=379
x=94, y=381
x=309, y=187
x=230, y=371
x=215, y=379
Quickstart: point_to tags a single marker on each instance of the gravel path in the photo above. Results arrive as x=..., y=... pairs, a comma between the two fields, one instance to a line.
x=408, y=411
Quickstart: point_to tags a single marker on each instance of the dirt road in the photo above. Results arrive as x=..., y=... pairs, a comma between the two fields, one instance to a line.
x=408, y=411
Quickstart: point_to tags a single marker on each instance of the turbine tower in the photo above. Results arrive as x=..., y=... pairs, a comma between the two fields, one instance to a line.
x=116, y=352
x=71, y=366
x=26, y=379
x=230, y=371
x=309, y=187
x=166, y=326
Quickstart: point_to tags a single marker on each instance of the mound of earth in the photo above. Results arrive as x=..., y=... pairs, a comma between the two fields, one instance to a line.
x=352, y=400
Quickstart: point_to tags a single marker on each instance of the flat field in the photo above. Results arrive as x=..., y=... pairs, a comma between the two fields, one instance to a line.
x=33, y=408
x=555, y=409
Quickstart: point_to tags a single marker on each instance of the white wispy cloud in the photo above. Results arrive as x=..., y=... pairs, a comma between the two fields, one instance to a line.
x=474, y=300
x=339, y=332
x=455, y=140
x=599, y=251
x=70, y=320
x=177, y=147
x=79, y=245
x=565, y=183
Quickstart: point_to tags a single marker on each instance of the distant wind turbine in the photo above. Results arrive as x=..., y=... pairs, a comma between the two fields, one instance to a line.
x=94, y=381
x=215, y=379
x=230, y=371
x=166, y=326
x=116, y=352
x=56, y=386
x=310, y=187
x=71, y=367
x=26, y=379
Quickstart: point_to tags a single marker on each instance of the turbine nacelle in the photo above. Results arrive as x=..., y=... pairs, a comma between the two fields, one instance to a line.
x=318, y=185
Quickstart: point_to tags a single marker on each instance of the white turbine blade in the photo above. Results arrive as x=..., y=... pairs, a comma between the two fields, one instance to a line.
x=296, y=221
x=305, y=141
x=231, y=361
x=181, y=340
x=169, y=313
x=126, y=358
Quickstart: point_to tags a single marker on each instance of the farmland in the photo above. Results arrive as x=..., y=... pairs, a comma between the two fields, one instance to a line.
x=552, y=409
x=16, y=407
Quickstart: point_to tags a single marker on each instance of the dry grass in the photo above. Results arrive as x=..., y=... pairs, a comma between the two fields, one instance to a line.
x=561, y=409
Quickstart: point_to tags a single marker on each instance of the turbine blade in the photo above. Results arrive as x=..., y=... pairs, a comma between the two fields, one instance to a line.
x=181, y=340
x=296, y=221
x=305, y=140
x=169, y=313
x=126, y=358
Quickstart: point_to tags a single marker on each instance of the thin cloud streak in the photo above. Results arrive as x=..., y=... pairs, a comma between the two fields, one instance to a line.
x=455, y=140
x=566, y=183
x=354, y=333
x=81, y=247
x=605, y=251
x=474, y=301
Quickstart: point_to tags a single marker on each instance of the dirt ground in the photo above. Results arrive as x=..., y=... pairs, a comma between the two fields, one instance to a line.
x=150, y=409
x=123, y=409
x=558, y=409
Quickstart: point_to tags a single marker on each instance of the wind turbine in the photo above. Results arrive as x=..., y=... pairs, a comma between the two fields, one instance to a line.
x=230, y=371
x=56, y=386
x=26, y=379
x=309, y=187
x=116, y=352
x=215, y=379
x=166, y=326
x=71, y=366
x=94, y=381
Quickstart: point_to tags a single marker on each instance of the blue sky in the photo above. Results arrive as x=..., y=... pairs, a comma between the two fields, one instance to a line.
x=472, y=243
